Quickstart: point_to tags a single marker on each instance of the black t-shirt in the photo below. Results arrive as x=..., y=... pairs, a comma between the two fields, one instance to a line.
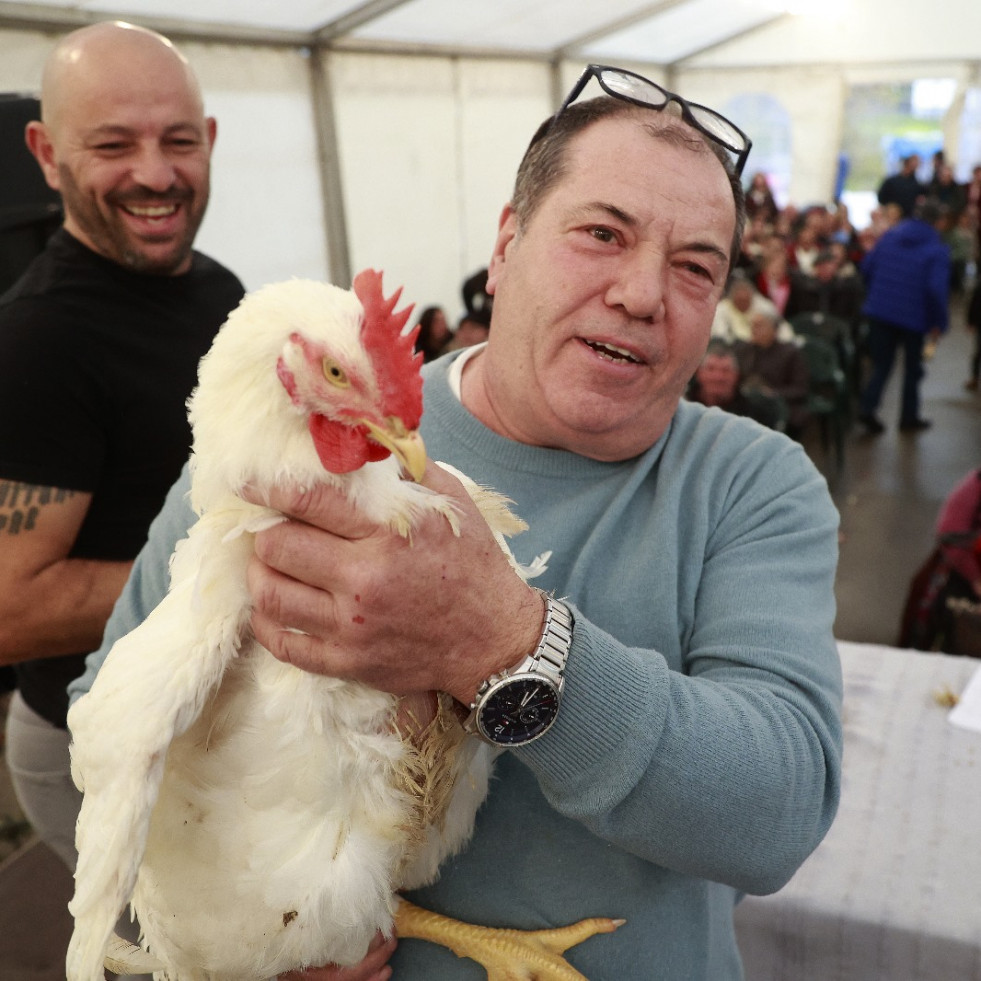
x=96, y=364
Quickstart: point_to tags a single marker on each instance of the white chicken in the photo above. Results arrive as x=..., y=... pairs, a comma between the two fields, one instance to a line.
x=260, y=818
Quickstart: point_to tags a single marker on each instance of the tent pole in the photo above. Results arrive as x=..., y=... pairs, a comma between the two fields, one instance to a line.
x=329, y=161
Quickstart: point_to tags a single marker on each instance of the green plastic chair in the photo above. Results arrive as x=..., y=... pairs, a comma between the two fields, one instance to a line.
x=769, y=407
x=839, y=334
x=828, y=396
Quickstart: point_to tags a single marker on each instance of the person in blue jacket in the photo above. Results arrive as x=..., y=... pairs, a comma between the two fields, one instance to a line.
x=907, y=281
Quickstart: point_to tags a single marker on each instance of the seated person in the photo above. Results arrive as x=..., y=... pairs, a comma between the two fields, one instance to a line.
x=808, y=240
x=773, y=280
x=760, y=200
x=959, y=531
x=717, y=382
x=470, y=331
x=735, y=310
x=826, y=290
x=434, y=333
x=951, y=572
x=474, y=325
x=476, y=300
x=775, y=367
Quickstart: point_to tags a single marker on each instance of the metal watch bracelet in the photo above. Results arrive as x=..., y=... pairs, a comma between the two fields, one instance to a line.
x=549, y=657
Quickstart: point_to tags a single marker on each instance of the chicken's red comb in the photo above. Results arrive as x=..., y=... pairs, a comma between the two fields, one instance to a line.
x=392, y=352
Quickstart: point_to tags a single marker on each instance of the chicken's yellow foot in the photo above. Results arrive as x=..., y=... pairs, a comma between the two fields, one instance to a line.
x=506, y=955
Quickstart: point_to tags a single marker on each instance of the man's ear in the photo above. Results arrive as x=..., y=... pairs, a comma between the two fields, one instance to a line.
x=39, y=143
x=211, y=128
x=507, y=231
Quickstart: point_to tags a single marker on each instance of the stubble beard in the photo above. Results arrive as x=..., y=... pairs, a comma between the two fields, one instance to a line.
x=99, y=220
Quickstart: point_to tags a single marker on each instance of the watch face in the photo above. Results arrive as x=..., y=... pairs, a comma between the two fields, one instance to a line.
x=518, y=710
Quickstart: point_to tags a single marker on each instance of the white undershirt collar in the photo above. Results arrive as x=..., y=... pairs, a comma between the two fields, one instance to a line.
x=455, y=373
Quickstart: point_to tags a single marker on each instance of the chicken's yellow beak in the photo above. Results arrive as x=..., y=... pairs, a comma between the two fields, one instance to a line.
x=406, y=445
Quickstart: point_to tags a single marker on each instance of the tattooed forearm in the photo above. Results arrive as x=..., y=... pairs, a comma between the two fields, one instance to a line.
x=21, y=503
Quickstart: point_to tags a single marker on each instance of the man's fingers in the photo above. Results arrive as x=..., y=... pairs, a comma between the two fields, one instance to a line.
x=318, y=654
x=322, y=506
x=373, y=968
x=299, y=551
x=302, y=650
x=288, y=602
x=440, y=478
x=298, y=623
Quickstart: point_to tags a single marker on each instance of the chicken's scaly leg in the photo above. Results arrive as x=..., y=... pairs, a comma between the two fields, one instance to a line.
x=506, y=955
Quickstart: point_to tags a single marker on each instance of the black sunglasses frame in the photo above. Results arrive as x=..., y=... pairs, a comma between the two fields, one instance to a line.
x=596, y=71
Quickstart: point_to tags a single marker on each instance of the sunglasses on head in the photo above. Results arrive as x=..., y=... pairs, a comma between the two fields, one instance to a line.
x=631, y=87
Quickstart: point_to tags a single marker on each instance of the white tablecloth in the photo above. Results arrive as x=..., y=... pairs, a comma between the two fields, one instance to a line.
x=894, y=891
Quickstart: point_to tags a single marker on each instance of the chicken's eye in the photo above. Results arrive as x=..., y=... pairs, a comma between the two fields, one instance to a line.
x=335, y=374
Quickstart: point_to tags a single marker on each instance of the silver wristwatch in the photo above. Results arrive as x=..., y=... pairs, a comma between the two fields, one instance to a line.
x=518, y=705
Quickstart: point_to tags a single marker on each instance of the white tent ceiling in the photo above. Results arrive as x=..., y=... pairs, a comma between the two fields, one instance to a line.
x=669, y=33
x=450, y=90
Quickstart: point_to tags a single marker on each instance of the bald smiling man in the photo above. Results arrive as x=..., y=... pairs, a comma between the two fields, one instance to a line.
x=99, y=345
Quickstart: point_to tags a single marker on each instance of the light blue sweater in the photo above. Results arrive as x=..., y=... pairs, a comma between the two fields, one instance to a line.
x=697, y=752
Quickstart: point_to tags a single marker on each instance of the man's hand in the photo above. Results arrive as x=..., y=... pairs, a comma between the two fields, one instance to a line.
x=373, y=968
x=336, y=594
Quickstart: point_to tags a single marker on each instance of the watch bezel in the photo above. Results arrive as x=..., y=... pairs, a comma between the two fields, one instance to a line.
x=512, y=735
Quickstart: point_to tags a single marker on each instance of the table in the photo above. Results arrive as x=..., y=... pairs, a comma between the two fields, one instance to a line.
x=893, y=893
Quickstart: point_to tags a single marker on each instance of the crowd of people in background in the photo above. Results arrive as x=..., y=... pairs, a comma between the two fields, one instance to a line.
x=887, y=286
x=805, y=277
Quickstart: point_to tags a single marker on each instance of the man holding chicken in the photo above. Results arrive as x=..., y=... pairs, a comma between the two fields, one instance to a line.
x=689, y=749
